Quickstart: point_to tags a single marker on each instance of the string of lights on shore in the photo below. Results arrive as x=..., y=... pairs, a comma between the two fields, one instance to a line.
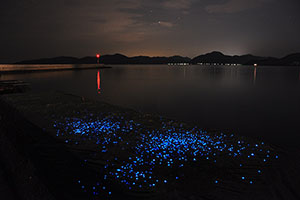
x=146, y=156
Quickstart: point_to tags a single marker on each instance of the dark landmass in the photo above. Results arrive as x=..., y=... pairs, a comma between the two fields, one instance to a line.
x=109, y=59
x=218, y=57
x=213, y=57
x=289, y=60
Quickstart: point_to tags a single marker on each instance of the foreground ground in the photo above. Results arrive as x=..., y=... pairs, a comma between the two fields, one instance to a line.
x=69, y=147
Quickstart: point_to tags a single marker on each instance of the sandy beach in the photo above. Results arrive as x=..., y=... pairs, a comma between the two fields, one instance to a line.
x=84, y=149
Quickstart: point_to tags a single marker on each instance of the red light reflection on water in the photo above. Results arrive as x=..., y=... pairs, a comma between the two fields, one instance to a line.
x=98, y=82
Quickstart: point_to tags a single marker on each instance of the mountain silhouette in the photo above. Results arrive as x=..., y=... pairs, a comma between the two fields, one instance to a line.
x=210, y=58
x=109, y=59
x=220, y=58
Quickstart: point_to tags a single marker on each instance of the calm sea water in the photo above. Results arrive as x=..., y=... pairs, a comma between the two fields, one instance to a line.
x=262, y=103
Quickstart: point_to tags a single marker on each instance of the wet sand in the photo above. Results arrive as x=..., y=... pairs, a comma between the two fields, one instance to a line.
x=74, y=159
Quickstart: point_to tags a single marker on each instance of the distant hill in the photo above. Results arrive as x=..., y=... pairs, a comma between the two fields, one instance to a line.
x=109, y=59
x=213, y=57
x=218, y=57
x=292, y=59
x=289, y=60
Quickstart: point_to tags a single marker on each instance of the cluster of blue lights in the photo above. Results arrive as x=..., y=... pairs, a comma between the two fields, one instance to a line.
x=105, y=131
x=141, y=156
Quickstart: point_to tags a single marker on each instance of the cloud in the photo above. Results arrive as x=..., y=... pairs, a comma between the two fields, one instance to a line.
x=180, y=5
x=115, y=20
x=177, y=4
x=235, y=6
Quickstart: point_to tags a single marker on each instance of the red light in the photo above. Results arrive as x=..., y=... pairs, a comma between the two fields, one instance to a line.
x=98, y=82
x=98, y=55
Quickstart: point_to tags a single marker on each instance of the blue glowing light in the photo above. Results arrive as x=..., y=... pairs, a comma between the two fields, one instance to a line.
x=150, y=150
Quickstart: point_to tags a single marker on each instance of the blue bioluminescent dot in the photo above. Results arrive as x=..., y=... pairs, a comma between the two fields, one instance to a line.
x=169, y=146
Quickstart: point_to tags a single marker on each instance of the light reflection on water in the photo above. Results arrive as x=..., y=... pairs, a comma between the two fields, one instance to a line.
x=255, y=73
x=260, y=102
x=98, y=82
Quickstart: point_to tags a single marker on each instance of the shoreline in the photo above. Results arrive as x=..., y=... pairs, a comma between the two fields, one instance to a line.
x=35, y=162
x=46, y=110
x=50, y=67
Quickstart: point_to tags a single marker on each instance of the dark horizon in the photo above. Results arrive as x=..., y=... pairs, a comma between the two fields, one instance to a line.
x=211, y=57
x=140, y=55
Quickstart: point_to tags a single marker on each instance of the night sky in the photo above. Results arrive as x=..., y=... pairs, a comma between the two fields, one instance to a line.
x=38, y=28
